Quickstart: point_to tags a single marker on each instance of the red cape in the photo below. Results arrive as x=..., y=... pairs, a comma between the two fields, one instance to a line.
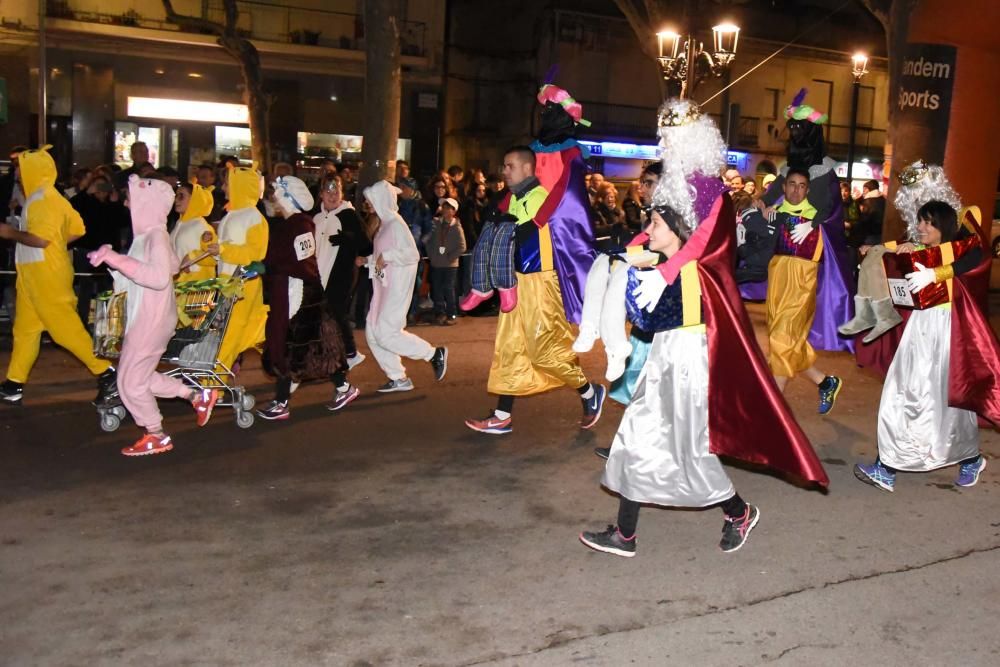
x=750, y=422
x=974, y=366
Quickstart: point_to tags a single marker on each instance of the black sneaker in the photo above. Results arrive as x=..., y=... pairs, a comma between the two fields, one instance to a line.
x=11, y=392
x=603, y=452
x=593, y=406
x=610, y=542
x=736, y=530
x=440, y=363
x=107, y=388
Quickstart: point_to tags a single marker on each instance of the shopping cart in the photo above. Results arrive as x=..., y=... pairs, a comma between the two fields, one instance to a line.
x=203, y=308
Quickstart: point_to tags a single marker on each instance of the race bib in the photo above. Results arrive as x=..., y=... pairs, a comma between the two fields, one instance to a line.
x=900, y=293
x=305, y=246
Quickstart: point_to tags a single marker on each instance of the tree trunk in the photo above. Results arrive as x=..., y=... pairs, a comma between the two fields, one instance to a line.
x=382, y=91
x=245, y=54
x=257, y=101
x=894, y=15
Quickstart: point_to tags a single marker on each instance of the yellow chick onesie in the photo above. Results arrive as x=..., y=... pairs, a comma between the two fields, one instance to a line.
x=243, y=239
x=192, y=235
x=45, y=298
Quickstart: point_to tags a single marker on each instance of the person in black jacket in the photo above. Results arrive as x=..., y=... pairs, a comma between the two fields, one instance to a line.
x=867, y=230
x=755, y=239
x=104, y=218
x=340, y=241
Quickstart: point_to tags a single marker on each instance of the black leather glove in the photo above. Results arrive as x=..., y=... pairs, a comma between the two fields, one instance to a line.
x=336, y=239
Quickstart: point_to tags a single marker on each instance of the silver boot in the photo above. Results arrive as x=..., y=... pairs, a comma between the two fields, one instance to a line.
x=864, y=317
x=887, y=318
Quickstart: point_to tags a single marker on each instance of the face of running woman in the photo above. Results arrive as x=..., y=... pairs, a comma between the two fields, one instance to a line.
x=661, y=237
x=928, y=234
x=182, y=200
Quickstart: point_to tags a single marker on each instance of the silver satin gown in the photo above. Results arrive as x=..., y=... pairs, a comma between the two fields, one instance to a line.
x=917, y=430
x=660, y=452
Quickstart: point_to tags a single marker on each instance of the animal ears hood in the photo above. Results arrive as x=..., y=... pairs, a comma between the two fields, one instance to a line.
x=38, y=169
x=245, y=187
x=149, y=201
x=382, y=196
x=201, y=203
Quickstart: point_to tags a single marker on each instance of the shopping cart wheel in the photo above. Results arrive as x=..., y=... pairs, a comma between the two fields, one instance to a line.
x=119, y=411
x=247, y=402
x=244, y=418
x=110, y=421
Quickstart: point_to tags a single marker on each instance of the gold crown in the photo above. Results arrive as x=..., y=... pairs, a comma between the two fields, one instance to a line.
x=672, y=117
x=913, y=173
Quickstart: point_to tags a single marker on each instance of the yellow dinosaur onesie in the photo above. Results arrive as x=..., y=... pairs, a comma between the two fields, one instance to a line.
x=243, y=239
x=45, y=298
x=192, y=235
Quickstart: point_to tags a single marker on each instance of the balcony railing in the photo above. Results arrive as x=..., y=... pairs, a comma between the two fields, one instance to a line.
x=867, y=140
x=620, y=120
x=257, y=20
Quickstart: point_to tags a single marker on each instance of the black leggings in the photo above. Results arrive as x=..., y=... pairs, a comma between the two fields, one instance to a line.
x=283, y=387
x=506, y=402
x=628, y=512
x=339, y=313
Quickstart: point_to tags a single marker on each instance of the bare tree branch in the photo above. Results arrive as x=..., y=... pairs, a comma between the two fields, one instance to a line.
x=639, y=21
x=246, y=56
x=192, y=23
x=232, y=16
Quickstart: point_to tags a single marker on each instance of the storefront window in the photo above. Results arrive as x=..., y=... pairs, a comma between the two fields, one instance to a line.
x=234, y=141
x=127, y=134
x=315, y=146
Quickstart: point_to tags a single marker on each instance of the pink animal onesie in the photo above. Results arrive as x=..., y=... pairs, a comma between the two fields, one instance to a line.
x=146, y=274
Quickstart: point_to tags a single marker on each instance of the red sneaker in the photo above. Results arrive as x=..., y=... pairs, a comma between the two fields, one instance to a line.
x=473, y=299
x=149, y=444
x=203, y=404
x=508, y=299
x=491, y=424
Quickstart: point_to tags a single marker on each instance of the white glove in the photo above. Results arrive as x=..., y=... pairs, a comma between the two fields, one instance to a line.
x=801, y=231
x=650, y=289
x=920, y=278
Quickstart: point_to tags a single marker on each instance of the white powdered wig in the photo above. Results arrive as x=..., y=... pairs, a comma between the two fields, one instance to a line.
x=919, y=184
x=690, y=143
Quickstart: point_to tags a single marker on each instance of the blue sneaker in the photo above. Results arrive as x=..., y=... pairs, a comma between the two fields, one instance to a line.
x=828, y=390
x=877, y=475
x=593, y=406
x=968, y=473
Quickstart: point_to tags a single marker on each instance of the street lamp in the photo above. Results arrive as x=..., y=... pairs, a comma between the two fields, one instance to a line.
x=859, y=67
x=676, y=57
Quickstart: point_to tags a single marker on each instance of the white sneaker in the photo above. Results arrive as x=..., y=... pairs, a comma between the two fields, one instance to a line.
x=585, y=341
x=617, y=359
x=355, y=360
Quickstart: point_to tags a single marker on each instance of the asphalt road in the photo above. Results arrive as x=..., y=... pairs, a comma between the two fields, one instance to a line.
x=389, y=534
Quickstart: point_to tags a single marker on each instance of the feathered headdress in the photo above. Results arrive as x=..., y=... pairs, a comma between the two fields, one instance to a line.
x=799, y=111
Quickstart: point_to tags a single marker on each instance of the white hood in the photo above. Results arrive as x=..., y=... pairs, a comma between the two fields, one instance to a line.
x=382, y=196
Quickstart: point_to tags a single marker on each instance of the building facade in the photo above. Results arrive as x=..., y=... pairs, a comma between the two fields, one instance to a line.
x=599, y=60
x=118, y=71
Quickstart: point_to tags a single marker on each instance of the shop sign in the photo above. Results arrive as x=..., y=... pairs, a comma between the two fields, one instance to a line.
x=923, y=99
x=207, y=112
